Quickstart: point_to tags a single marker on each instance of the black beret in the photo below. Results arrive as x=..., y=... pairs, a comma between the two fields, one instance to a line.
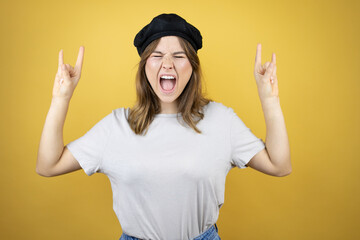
x=167, y=25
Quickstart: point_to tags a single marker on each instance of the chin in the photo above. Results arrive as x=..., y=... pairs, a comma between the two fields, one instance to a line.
x=167, y=99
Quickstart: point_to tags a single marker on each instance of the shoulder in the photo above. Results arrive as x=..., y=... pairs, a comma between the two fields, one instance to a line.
x=218, y=108
x=120, y=116
x=218, y=112
x=115, y=115
x=120, y=113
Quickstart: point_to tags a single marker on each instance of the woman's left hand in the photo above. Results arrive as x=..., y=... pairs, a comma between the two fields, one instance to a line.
x=265, y=76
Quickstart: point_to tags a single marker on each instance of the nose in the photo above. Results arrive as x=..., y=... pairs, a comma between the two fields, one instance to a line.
x=167, y=63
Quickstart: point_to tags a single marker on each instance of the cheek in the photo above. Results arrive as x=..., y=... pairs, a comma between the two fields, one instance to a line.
x=151, y=68
x=184, y=65
x=148, y=70
x=186, y=69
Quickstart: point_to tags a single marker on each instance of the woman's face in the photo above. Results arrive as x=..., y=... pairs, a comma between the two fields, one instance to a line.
x=168, y=70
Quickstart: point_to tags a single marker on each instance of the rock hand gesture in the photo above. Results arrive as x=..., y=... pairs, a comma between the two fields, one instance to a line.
x=67, y=77
x=265, y=76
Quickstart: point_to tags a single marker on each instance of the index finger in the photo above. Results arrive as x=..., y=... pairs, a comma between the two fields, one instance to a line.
x=258, y=55
x=80, y=58
x=61, y=59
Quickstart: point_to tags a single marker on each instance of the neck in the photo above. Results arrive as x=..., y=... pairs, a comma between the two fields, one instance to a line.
x=169, y=108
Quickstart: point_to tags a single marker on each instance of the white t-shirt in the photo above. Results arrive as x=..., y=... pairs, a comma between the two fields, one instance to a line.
x=170, y=183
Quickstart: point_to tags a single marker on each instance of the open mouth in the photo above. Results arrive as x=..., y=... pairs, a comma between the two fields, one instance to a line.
x=167, y=83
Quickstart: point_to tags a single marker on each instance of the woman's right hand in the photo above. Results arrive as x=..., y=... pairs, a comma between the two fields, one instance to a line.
x=67, y=77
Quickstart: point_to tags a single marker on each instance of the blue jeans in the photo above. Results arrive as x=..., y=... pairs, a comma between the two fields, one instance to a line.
x=210, y=234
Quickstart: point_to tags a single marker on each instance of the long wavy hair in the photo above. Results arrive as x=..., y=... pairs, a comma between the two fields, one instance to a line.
x=190, y=102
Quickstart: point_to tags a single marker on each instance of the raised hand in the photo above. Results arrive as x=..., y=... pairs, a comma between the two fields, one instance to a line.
x=67, y=77
x=265, y=76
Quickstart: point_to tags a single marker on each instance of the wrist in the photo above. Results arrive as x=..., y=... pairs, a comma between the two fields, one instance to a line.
x=271, y=107
x=271, y=101
x=56, y=101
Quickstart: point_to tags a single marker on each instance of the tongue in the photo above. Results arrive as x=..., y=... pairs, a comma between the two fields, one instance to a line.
x=167, y=84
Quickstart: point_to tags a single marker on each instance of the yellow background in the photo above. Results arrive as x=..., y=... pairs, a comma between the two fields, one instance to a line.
x=317, y=49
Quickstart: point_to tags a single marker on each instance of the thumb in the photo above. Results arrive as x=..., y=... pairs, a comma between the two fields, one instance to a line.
x=269, y=71
x=65, y=72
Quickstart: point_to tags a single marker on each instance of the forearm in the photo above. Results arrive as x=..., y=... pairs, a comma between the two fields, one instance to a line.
x=277, y=142
x=51, y=143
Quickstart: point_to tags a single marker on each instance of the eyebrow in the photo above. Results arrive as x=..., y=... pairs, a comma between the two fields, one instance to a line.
x=174, y=53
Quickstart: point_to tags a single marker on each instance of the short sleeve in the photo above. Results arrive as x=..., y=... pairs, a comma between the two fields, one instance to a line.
x=88, y=149
x=244, y=144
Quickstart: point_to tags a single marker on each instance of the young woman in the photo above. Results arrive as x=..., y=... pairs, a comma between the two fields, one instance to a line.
x=167, y=157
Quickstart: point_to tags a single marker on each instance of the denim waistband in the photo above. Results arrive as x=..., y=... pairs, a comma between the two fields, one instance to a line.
x=209, y=234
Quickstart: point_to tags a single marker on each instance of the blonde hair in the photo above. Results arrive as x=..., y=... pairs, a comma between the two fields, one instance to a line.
x=190, y=101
